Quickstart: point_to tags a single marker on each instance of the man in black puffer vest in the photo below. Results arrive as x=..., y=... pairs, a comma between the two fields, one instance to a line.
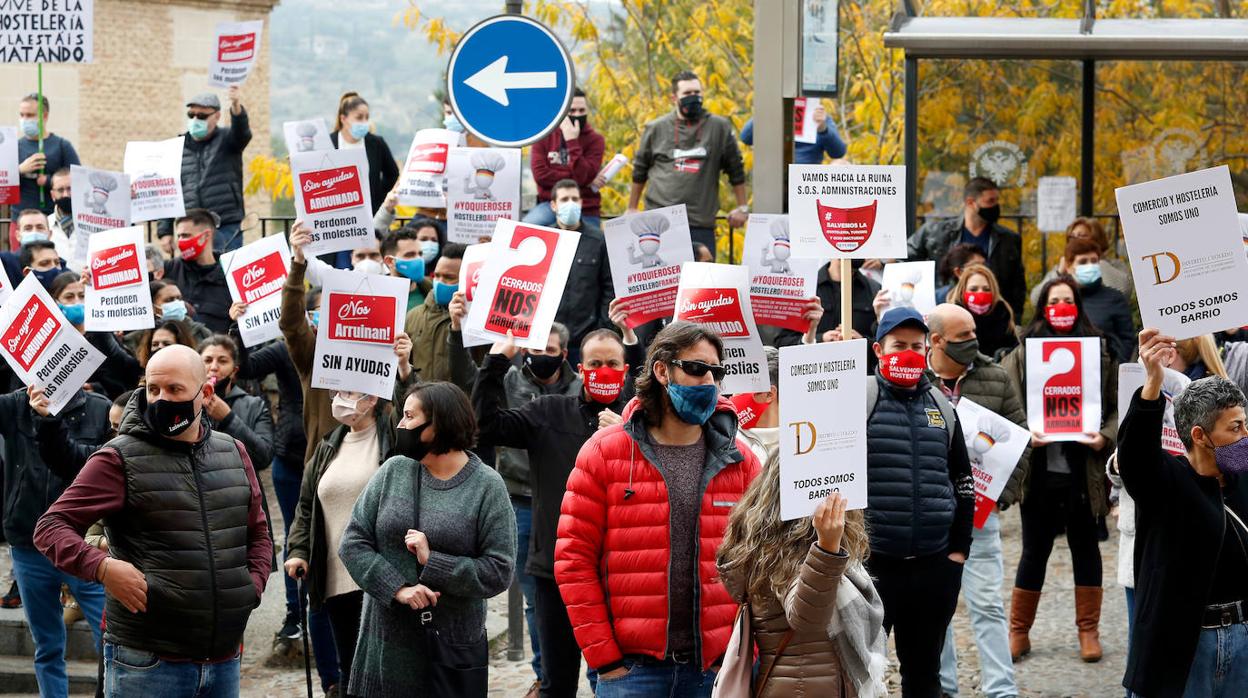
x=920, y=500
x=189, y=550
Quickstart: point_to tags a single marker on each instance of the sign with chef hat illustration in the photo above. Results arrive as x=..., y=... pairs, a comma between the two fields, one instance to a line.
x=1131, y=378
x=482, y=187
x=995, y=445
x=911, y=285
x=780, y=286
x=102, y=202
x=306, y=136
x=645, y=251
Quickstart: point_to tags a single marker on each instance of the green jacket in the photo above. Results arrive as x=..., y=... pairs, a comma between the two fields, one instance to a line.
x=429, y=325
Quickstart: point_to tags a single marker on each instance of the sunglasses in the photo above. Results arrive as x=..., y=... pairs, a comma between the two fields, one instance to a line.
x=697, y=369
x=200, y=115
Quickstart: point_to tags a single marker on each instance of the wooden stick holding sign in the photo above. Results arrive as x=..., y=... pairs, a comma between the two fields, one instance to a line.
x=847, y=300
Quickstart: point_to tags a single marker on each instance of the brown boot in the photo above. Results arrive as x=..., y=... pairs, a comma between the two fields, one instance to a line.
x=1023, y=605
x=1087, y=619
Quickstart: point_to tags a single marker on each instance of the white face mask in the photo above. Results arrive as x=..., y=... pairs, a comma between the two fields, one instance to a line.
x=345, y=410
x=369, y=266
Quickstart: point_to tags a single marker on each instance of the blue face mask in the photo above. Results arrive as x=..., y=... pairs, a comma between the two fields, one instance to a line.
x=428, y=250
x=27, y=238
x=569, y=213
x=173, y=310
x=316, y=317
x=30, y=128
x=694, y=404
x=451, y=123
x=442, y=292
x=1087, y=274
x=413, y=269
x=198, y=128
x=45, y=277
x=76, y=313
x=359, y=129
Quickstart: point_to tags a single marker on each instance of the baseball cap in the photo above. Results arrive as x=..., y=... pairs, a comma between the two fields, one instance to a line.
x=899, y=317
x=205, y=99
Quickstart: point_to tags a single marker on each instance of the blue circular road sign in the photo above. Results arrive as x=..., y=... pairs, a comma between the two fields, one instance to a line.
x=510, y=80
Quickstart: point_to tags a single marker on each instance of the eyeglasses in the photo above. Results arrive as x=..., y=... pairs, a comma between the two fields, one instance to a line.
x=697, y=369
x=202, y=116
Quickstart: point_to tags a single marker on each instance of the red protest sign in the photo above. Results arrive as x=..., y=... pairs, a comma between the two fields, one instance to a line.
x=330, y=189
x=260, y=279
x=236, y=48
x=1063, y=392
x=428, y=157
x=520, y=288
x=847, y=229
x=31, y=332
x=361, y=318
x=115, y=266
x=717, y=308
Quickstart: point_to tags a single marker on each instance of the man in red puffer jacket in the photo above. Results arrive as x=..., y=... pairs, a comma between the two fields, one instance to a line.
x=644, y=512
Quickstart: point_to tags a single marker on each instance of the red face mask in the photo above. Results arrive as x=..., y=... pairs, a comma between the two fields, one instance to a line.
x=903, y=368
x=978, y=302
x=604, y=384
x=1062, y=316
x=193, y=247
x=749, y=410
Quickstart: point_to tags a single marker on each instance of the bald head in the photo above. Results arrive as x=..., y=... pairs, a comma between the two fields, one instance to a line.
x=177, y=360
x=176, y=374
x=947, y=318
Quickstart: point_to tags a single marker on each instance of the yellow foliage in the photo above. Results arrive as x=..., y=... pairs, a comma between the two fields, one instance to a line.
x=270, y=175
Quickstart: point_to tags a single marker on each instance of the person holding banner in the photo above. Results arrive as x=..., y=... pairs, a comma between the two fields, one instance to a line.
x=352, y=129
x=30, y=227
x=40, y=153
x=648, y=500
x=197, y=270
x=977, y=290
x=1064, y=484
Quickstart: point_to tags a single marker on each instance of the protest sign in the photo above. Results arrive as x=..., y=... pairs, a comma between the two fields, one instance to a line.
x=155, y=170
x=995, y=445
x=482, y=187
x=423, y=180
x=1187, y=252
x=779, y=285
x=332, y=199
x=6, y=288
x=521, y=283
x=469, y=279
x=361, y=317
x=234, y=53
x=42, y=348
x=118, y=298
x=10, y=176
x=47, y=31
x=1064, y=387
x=911, y=285
x=823, y=425
x=1131, y=378
x=103, y=204
x=848, y=211
x=1055, y=203
x=805, y=130
x=255, y=274
x=306, y=136
x=645, y=251
x=718, y=297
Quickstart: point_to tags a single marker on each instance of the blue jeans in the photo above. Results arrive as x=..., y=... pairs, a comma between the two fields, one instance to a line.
x=40, y=586
x=528, y=588
x=981, y=589
x=1220, y=667
x=652, y=680
x=229, y=237
x=131, y=672
x=286, y=482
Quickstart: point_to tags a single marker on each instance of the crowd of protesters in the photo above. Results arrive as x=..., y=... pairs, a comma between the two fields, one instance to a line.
x=606, y=473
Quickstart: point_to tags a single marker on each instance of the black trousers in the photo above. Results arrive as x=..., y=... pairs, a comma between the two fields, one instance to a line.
x=920, y=595
x=344, y=619
x=1052, y=504
x=561, y=656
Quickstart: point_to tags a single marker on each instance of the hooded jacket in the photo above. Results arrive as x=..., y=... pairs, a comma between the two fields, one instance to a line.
x=579, y=159
x=613, y=554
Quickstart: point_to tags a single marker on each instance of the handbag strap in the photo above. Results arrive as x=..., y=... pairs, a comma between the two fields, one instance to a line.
x=426, y=614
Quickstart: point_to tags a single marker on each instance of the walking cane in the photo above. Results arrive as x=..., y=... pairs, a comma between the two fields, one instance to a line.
x=303, y=629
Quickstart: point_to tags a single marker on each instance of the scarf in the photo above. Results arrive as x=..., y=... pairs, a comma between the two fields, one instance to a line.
x=857, y=628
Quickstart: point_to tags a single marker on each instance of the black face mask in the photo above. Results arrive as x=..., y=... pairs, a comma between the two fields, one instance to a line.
x=170, y=418
x=580, y=121
x=691, y=106
x=65, y=205
x=542, y=365
x=407, y=443
x=990, y=214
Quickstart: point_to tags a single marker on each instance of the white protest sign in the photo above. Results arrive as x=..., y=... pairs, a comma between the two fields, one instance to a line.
x=118, y=298
x=717, y=296
x=823, y=425
x=521, y=283
x=482, y=187
x=1131, y=378
x=994, y=444
x=1064, y=387
x=423, y=179
x=469, y=279
x=306, y=136
x=102, y=203
x=332, y=199
x=911, y=285
x=1055, y=203
x=42, y=348
x=1187, y=252
x=46, y=31
x=10, y=176
x=645, y=251
x=805, y=130
x=155, y=169
x=848, y=211
x=234, y=53
x=780, y=286
x=361, y=317
x=6, y=287
x=255, y=274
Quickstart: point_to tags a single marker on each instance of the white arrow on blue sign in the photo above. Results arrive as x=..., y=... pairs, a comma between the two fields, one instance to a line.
x=510, y=80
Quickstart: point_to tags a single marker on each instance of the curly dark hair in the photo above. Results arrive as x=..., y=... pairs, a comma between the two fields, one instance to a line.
x=666, y=347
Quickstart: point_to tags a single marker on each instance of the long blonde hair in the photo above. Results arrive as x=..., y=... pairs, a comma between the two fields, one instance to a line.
x=771, y=551
x=1205, y=349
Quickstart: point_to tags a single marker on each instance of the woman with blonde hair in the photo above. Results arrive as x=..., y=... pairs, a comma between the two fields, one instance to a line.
x=978, y=291
x=814, y=611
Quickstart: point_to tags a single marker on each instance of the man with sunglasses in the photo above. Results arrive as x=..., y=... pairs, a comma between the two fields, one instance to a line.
x=212, y=165
x=648, y=499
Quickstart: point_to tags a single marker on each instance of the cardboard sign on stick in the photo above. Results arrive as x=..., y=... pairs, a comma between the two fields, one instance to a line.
x=854, y=211
x=482, y=188
x=423, y=179
x=780, y=286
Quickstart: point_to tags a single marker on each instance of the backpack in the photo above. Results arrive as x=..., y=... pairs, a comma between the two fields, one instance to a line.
x=946, y=407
